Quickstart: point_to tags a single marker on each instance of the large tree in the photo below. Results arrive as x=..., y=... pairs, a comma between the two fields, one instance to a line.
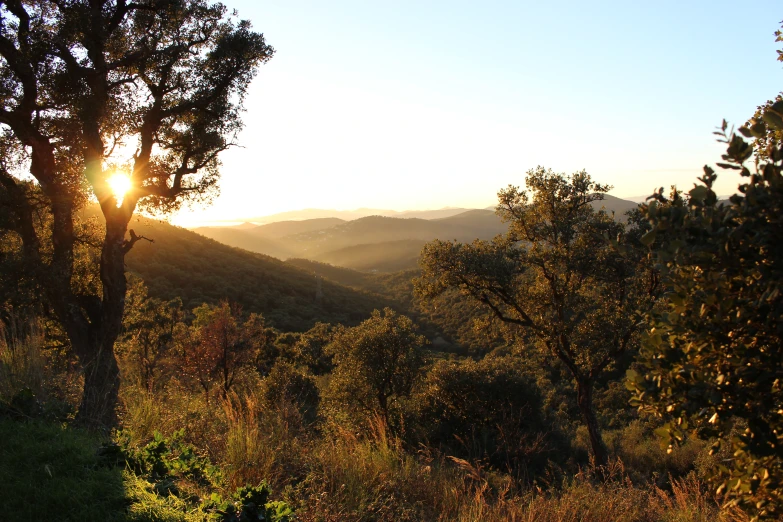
x=713, y=358
x=152, y=87
x=566, y=278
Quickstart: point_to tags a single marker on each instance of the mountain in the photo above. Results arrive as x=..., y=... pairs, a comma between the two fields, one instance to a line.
x=374, y=243
x=245, y=226
x=182, y=263
x=245, y=239
x=389, y=256
x=348, y=215
x=484, y=224
x=281, y=229
x=264, y=239
x=616, y=205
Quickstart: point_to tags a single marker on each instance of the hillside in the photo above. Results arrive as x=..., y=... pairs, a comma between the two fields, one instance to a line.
x=389, y=256
x=181, y=263
x=616, y=205
x=265, y=239
x=374, y=243
x=281, y=229
x=246, y=239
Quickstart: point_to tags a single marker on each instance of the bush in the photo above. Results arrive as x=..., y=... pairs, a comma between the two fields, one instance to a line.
x=487, y=409
x=286, y=385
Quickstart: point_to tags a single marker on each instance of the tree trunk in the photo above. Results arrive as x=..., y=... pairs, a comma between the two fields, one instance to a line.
x=101, y=388
x=101, y=373
x=584, y=389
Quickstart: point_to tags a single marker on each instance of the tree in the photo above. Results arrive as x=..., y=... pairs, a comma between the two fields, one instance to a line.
x=91, y=87
x=376, y=363
x=149, y=332
x=309, y=349
x=565, y=276
x=221, y=346
x=713, y=357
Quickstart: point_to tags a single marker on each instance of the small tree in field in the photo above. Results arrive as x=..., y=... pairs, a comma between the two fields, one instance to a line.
x=149, y=333
x=376, y=363
x=220, y=347
x=565, y=275
x=154, y=88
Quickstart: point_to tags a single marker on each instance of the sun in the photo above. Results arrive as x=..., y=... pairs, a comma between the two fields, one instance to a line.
x=120, y=184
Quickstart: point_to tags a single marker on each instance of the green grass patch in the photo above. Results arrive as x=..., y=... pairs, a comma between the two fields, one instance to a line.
x=50, y=473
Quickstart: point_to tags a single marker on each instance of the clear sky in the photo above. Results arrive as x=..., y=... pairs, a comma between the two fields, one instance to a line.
x=426, y=104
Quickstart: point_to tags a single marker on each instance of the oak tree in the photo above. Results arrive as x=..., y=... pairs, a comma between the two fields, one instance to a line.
x=566, y=278
x=221, y=346
x=713, y=358
x=87, y=87
x=376, y=363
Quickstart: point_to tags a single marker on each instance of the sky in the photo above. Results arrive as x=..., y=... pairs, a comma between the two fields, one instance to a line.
x=427, y=104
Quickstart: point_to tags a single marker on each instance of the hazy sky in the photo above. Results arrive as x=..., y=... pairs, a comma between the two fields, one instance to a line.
x=425, y=104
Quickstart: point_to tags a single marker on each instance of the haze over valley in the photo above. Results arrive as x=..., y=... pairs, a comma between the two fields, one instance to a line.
x=369, y=239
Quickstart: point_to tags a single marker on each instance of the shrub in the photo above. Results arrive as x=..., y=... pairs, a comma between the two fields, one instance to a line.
x=286, y=385
x=486, y=409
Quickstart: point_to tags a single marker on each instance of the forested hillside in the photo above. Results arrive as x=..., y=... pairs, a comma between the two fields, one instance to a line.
x=374, y=243
x=181, y=263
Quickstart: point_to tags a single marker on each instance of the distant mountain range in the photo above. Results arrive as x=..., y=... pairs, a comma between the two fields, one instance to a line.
x=348, y=215
x=370, y=242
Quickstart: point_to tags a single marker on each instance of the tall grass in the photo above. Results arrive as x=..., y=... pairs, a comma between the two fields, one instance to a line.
x=332, y=473
x=22, y=365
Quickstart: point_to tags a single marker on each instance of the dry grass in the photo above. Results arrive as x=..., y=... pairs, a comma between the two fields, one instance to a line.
x=334, y=474
x=22, y=365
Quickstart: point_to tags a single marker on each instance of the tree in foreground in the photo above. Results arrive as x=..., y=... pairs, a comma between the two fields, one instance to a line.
x=714, y=354
x=566, y=279
x=89, y=89
x=376, y=363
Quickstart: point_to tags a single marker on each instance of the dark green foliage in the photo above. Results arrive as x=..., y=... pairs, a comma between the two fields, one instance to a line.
x=714, y=353
x=248, y=504
x=287, y=385
x=163, y=461
x=309, y=350
x=376, y=364
x=149, y=331
x=488, y=409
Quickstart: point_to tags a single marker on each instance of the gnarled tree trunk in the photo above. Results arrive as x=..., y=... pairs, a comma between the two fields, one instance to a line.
x=584, y=398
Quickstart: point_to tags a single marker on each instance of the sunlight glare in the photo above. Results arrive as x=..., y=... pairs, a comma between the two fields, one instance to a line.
x=120, y=184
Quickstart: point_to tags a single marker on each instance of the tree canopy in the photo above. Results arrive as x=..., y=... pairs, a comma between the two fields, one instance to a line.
x=90, y=89
x=566, y=278
x=713, y=356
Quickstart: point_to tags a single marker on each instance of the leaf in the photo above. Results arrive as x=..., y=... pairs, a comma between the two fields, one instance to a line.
x=758, y=129
x=728, y=166
x=699, y=193
x=745, y=132
x=648, y=239
x=663, y=433
x=773, y=120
